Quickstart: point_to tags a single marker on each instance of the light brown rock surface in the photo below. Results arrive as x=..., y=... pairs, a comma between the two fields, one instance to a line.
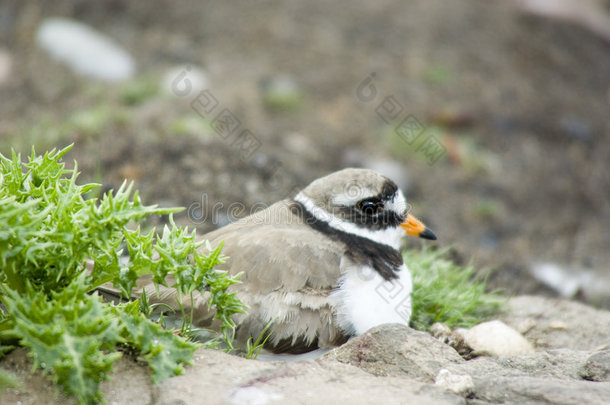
x=392, y=363
x=556, y=323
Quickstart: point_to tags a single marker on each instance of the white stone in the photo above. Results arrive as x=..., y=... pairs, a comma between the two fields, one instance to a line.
x=497, y=339
x=567, y=281
x=252, y=396
x=85, y=50
x=461, y=384
x=185, y=80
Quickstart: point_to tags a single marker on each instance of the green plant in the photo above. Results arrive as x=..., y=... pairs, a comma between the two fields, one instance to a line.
x=254, y=347
x=437, y=74
x=282, y=94
x=446, y=292
x=137, y=91
x=7, y=380
x=48, y=234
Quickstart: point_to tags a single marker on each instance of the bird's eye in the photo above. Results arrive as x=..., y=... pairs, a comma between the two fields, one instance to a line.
x=370, y=206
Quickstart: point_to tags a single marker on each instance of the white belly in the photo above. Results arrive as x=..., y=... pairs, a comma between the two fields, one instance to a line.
x=364, y=299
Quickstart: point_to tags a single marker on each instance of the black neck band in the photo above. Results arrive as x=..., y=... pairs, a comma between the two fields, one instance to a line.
x=383, y=258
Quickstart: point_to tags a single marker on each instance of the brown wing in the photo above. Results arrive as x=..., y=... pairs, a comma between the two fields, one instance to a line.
x=288, y=269
x=262, y=245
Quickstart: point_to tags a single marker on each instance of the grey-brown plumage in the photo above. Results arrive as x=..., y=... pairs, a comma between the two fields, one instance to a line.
x=288, y=273
x=292, y=260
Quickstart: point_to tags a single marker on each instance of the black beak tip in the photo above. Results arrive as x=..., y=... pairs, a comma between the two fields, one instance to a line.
x=427, y=234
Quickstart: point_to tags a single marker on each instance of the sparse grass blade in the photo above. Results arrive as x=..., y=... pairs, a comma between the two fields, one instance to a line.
x=446, y=292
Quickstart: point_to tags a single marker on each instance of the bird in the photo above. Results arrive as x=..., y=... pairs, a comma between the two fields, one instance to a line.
x=320, y=267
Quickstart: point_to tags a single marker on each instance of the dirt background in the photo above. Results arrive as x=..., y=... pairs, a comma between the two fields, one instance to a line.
x=520, y=105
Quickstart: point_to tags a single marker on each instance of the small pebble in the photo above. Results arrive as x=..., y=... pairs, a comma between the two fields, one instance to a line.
x=185, y=80
x=597, y=367
x=85, y=50
x=526, y=325
x=440, y=330
x=461, y=384
x=565, y=280
x=497, y=339
x=557, y=324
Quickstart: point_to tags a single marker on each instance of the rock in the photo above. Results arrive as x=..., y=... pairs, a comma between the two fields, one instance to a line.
x=496, y=339
x=566, y=281
x=532, y=390
x=84, y=50
x=460, y=384
x=561, y=364
x=391, y=363
x=253, y=395
x=597, y=367
x=396, y=350
x=583, y=327
x=440, y=330
x=221, y=378
x=525, y=326
x=454, y=339
x=528, y=378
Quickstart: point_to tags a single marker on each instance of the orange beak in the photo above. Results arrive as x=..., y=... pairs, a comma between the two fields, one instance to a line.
x=415, y=227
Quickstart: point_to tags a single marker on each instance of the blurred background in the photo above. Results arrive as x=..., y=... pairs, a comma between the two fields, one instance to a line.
x=493, y=116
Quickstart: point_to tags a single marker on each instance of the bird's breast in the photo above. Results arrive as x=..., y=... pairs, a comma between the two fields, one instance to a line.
x=364, y=299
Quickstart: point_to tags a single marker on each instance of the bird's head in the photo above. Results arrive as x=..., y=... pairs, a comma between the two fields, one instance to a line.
x=363, y=202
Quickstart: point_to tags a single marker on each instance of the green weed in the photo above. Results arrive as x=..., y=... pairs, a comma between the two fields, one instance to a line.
x=446, y=292
x=48, y=232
